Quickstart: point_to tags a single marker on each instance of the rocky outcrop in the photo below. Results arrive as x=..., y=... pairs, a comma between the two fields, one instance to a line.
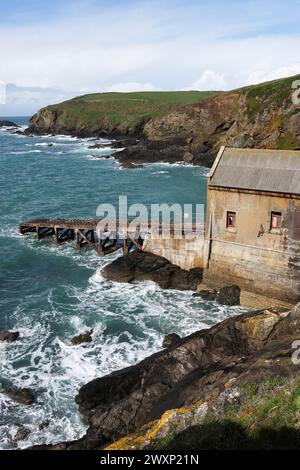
x=8, y=124
x=143, y=266
x=203, y=368
x=200, y=367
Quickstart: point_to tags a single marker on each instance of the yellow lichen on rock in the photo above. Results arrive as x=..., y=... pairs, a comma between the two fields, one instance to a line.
x=171, y=421
x=258, y=328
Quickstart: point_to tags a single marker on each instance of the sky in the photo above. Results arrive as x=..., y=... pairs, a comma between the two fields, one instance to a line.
x=53, y=50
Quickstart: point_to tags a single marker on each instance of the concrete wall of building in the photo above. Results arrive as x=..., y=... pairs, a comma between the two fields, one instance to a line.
x=251, y=254
x=188, y=252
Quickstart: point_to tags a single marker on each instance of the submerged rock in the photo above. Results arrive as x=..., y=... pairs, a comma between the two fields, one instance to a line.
x=9, y=336
x=85, y=337
x=205, y=294
x=21, y=434
x=142, y=266
x=45, y=424
x=228, y=295
x=19, y=395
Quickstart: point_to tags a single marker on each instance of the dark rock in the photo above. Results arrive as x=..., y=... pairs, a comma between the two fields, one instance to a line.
x=130, y=165
x=20, y=395
x=45, y=424
x=229, y=295
x=9, y=336
x=21, y=434
x=21, y=133
x=97, y=146
x=209, y=295
x=138, y=154
x=171, y=340
x=8, y=124
x=188, y=157
x=85, y=337
x=105, y=157
x=142, y=266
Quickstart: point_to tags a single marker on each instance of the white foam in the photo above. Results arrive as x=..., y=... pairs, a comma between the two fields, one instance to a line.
x=27, y=152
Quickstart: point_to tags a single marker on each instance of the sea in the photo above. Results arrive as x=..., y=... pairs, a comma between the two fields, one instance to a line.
x=50, y=293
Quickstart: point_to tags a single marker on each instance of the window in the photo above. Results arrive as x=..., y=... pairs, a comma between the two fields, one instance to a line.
x=231, y=220
x=276, y=220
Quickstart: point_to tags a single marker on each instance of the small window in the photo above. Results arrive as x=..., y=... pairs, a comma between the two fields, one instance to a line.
x=231, y=220
x=276, y=220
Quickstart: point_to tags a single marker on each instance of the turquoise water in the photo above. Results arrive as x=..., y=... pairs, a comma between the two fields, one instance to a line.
x=51, y=293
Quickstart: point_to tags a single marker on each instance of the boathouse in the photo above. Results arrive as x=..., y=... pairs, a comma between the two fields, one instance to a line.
x=253, y=221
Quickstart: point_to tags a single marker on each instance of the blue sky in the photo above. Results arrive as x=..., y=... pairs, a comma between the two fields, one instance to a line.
x=52, y=50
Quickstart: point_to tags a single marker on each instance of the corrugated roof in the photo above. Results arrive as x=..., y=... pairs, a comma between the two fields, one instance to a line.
x=258, y=169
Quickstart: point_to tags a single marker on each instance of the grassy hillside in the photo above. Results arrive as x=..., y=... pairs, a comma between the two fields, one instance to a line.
x=125, y=109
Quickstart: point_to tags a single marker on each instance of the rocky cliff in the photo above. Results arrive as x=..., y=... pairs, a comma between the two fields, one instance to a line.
x=205, y=375
x=261, y=116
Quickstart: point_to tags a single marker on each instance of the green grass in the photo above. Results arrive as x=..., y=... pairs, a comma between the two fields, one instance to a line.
x=276, y=91
x=126, y=109
x=268, y=418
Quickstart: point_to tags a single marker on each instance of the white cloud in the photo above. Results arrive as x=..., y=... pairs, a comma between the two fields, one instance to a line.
x=26, y=100
x=130, y=86
x=148, y=45
x=258, y=76
x=209, y=80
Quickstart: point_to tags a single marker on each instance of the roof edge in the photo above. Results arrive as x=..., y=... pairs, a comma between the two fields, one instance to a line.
x=216, y=162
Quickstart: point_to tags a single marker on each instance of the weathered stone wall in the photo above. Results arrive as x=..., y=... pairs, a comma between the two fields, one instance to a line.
x=252, y=255
x=187, y=253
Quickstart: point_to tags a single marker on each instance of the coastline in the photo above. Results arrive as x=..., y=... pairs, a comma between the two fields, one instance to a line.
x=206, y=372
x=136, y=151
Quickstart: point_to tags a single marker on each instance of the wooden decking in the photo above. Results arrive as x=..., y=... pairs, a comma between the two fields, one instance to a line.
x=85, y=233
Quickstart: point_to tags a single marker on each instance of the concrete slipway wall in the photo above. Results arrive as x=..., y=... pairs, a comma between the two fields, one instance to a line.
x=188, y=252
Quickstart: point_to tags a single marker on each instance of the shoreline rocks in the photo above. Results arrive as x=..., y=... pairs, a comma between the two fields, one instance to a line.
x=243, y=349
x=143, y=266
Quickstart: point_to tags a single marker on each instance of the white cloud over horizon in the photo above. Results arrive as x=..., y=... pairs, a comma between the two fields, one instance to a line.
x=131, y=46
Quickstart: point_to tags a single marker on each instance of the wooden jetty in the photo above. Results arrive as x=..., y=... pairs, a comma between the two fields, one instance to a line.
x=85, y=233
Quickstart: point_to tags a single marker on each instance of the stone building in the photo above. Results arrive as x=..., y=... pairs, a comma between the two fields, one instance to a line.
x=253, y=221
